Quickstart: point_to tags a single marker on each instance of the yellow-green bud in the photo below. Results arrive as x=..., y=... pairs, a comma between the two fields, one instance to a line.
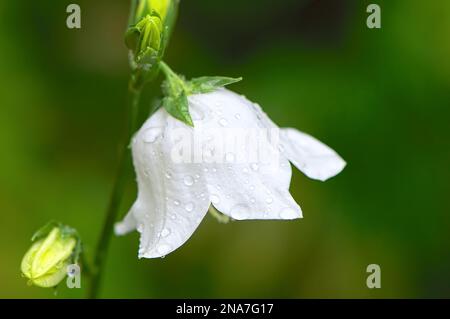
x=144, y=38
x=147, y=6
x=46, y=261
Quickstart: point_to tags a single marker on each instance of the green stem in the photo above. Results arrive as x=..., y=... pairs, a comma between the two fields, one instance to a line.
x=116, y=196
x=173, y=78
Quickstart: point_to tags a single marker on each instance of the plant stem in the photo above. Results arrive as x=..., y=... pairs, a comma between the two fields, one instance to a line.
x=116, y=195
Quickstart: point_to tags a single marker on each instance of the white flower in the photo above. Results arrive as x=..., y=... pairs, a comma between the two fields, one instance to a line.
x=174, y=196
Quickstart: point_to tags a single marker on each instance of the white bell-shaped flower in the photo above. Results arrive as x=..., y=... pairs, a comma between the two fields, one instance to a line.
x=182, y=170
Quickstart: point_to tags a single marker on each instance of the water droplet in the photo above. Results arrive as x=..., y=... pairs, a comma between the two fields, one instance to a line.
x=252, y=200
x=254, y=166
x=140, y=228
x=197, y=115
x=168, y=175
x=173, y=216
x=215, y=199
x=288, y=213
x=189, y=207
x=269, y=200
x=165, y=232
x=197, y=176
x=163, y=249
x=240, y=212
x=246, y=181
x=152, y=134
x=252, y=188
x=176, y=203
x=237, y=116
x=214, y=170
x=229, y=157
x=223, y=122
x=188, y=180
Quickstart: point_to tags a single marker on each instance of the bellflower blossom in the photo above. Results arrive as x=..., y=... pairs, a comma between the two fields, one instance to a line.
x=177, y=184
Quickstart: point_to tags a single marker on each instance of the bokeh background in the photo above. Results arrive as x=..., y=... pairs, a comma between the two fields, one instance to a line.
x=379, y=97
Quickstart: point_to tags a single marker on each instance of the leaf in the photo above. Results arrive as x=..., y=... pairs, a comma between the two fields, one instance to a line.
x=207, y=84
x=178, y=107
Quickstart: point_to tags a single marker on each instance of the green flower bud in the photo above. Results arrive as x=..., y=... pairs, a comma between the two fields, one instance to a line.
x=146, y=7
x=145, y=38
x=46, y=261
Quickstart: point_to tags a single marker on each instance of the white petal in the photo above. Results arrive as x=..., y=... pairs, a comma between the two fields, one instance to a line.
x=242, y=189
x=312, y=157
x=172, y=199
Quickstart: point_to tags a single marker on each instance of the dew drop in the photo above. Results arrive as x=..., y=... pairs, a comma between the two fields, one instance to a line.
x=269, y=200
x=288, y=213
x=240, y=212
x=188, y=180
x=245, y=170
x=168, y=175
x=223, y=122
x=237, y=116
x=176, y=203
x=254, y=166
x=189, y=207
x=215, y=199
x=152, y=134
x=252, y=200
x=165, y=232
x=252, y=188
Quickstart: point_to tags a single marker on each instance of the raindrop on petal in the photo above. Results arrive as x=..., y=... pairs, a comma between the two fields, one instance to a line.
x=188, y=180
x=240, y=212
x=223, y=122
x=215, y=199
x=151, y=134
x=189, y=207
x=288, y=213
x=165, y=232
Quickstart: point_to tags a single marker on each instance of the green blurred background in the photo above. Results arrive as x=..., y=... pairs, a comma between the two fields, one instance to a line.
x=379, y=97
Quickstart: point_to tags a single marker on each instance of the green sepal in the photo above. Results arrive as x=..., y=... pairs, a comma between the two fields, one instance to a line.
x=207, y=84
x=178, y=107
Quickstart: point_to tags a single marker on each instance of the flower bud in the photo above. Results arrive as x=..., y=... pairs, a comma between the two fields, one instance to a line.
x=46, y=261
x=145, y=38
x=145, y=7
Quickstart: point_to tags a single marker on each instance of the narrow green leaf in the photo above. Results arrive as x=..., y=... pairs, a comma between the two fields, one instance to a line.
x=207, y=84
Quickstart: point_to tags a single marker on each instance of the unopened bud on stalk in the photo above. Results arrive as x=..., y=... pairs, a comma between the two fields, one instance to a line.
x=146, y=7
x=55, y=247
x=145, y=37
